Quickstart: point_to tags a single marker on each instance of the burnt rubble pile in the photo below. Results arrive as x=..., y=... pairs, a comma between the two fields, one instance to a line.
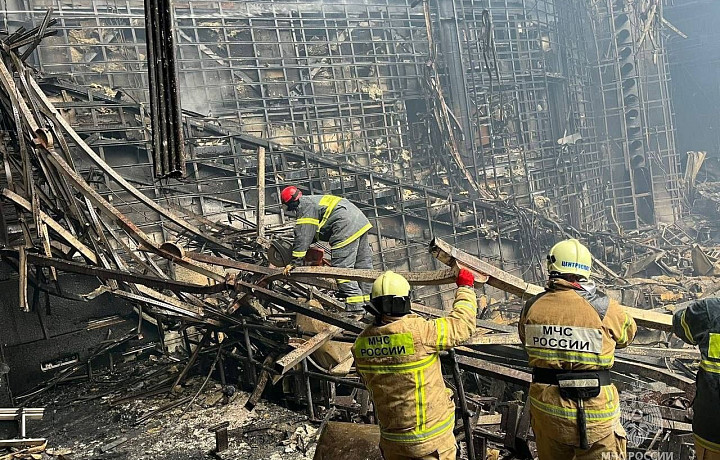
x=229, y=324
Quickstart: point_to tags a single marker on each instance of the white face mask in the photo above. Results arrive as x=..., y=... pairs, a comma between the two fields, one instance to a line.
x=589, y=286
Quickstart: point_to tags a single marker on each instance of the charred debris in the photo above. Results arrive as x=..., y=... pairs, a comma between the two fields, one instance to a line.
x=141, y=270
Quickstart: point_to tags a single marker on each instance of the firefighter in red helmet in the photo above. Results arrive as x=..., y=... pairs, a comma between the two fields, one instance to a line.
x=336, y=220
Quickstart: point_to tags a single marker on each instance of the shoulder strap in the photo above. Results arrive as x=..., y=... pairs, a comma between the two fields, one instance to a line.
x=599, y=301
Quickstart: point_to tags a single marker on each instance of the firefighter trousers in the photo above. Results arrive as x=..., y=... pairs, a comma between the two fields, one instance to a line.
x=357, y=254
x=611, y=447
x=702, y=453
x=446, y=454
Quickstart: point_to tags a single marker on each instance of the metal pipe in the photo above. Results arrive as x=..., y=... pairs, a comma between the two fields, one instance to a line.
x=261, y=192
x=308, y=390
x=463, y=405
x=22, y=422
x=248, y=346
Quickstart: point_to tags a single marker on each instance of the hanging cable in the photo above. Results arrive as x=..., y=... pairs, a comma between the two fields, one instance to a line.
x=487, y=36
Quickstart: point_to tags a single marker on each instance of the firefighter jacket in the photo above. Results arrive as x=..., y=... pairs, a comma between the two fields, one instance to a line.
x=327, y=218
x=399, y=363
x=699, y=324
x=568, y=327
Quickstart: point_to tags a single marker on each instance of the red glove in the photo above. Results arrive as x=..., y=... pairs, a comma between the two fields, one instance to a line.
x=465, y=278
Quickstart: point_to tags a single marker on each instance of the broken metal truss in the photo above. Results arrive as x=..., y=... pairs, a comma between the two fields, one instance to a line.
x=242, y=310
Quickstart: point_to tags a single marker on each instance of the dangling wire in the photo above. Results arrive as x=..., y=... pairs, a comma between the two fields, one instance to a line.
x=487, y=36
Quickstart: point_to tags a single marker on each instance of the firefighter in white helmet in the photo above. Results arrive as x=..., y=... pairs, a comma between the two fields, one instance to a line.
x=398, y=359
x=570, y=333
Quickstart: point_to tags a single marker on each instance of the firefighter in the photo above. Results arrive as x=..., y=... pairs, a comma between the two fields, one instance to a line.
x=570, y=332
x=699, y=324
x=334, y=219
x=398, y=359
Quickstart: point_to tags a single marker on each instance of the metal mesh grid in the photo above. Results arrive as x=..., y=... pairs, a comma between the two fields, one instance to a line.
x=330, y=78
x=636, y=120
x=540, y=96
x=343, y=83
x=402, y=227
x=335, y=79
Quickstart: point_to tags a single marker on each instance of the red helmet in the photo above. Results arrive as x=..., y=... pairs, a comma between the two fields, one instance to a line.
x=289, y=194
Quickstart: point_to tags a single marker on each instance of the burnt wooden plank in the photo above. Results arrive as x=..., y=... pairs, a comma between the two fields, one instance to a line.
x=293, y=358
x=503, y=280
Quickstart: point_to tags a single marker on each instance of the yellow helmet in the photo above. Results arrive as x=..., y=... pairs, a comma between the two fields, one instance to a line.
x=391, y=294
x=570, y=257
x=390, y=283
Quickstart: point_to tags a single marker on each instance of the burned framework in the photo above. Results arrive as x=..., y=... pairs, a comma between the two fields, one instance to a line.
x=352, y=84
x=478, y=122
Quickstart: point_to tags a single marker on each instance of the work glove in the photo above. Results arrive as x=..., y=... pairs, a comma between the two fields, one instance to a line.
x=465, y=278
x=288, y=268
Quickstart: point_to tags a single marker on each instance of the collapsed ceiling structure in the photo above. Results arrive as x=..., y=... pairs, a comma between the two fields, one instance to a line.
x=493, y=128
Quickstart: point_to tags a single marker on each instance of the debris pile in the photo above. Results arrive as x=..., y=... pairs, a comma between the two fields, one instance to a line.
x=99, y=419
x=242, y=322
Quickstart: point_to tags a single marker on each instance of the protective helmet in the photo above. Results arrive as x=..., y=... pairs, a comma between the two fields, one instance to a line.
x=290, y=194
x=569, y=257
x=391, y=294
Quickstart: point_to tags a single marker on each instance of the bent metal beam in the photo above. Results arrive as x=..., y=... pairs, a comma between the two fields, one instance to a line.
x=500, y=279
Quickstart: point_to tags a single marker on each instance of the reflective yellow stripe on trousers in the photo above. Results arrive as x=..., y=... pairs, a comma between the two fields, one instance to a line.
x=596, y=415
x=419, y=435
x=715, y=447
x=710, y=366
x=357, y=299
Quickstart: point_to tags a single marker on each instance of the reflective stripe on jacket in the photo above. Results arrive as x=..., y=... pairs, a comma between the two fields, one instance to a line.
x=699, y=324
x=565, y=328
x=327, y=218
x=400, y=365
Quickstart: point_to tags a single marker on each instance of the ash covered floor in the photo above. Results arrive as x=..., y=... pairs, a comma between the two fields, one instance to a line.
x=81, y=422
